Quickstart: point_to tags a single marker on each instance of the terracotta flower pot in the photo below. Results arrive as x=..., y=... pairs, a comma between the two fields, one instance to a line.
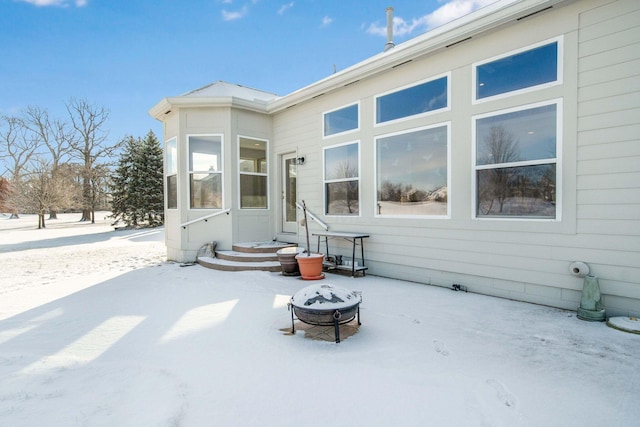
x=310, y=266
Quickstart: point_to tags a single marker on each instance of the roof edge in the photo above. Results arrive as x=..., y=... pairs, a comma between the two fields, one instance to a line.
x=165, y=106
x=482, y=20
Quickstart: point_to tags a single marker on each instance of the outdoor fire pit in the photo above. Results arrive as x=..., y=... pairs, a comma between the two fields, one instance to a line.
x=325, y=305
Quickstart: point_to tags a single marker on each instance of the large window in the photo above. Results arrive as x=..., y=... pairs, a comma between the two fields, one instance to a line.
x=253, y=173
x=341, y=120
x=171, y=171
x=419, y=99
x=205, y=171
x=342, y=179
x=527, y=69
x=412, y=171
x=515, y=162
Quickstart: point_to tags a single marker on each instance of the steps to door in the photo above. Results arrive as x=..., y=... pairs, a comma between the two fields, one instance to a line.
x=247, y=256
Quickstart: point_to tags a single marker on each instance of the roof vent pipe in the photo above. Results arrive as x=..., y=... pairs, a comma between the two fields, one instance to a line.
x=390, y=42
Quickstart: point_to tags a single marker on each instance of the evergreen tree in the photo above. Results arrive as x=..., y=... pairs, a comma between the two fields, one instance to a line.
x=120, y=182
x=150, y=185
x=137, y=191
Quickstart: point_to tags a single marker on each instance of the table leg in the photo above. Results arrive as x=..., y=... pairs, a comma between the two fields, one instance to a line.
x=362, y=253
x=353, y=259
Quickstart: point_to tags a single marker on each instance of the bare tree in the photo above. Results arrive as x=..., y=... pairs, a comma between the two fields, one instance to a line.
x=5, y=193
x=89, y=146
x=501, y=147
x=55, y=136
x=348, y=190
x=42, y=189
x=19, y=147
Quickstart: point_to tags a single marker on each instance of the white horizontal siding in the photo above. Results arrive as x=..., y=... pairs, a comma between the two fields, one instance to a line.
x=608, y=152
x=525, y=260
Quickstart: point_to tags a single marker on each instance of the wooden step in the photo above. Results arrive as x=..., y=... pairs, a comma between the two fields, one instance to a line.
x=261, y=247
x=225, y=265
x=247, y=256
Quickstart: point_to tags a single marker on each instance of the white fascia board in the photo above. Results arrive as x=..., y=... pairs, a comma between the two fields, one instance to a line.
x=167, y=104
x=483, y=20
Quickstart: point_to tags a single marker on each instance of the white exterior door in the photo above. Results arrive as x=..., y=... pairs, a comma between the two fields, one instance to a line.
x=289, y=170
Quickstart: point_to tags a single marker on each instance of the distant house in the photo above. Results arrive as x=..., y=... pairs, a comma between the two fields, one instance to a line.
x=493, y=152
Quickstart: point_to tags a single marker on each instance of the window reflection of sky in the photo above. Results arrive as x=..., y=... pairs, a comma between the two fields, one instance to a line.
x=533, y=130
x=205, y=153
x=418, y=99
x=418, y=159
x=341, y=162
x=172, y=157
x=526, y=69
x=341, y=120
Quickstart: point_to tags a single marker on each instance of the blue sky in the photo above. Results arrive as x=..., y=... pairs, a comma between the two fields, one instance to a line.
x=126, y=55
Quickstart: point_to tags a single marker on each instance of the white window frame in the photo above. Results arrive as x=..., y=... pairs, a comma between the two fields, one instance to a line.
x=413, y=116
x=325, y=181
x=169, y=170
x=346, y=132
x=189, y=171
x=559, y=80
x=446, y=124
x=557, y=160
x=266, y=174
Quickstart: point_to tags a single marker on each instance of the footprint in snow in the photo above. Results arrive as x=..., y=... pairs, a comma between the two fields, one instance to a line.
x=503, y=394
x=440, y=348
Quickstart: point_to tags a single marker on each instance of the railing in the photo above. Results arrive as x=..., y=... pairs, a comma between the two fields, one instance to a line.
x=204, y=218
x=313, y=217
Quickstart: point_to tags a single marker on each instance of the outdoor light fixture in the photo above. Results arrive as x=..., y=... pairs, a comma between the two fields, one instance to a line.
x=299, y=160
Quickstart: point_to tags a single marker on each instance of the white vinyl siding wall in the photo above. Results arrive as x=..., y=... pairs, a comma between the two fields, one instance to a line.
x=525, y=260
x=608, y=167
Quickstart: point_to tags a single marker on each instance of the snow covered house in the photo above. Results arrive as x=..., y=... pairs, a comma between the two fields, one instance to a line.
x=492, y=152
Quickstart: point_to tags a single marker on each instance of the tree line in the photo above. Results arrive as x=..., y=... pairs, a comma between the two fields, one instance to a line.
x=53, y=165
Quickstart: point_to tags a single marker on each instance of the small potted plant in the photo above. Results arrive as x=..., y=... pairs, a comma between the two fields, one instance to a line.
x=310, y=264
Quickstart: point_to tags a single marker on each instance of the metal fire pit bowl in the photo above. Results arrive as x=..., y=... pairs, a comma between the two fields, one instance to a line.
x=325, y=305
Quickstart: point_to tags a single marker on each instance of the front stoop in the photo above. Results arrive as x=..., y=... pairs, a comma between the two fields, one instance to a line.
x=247, y=256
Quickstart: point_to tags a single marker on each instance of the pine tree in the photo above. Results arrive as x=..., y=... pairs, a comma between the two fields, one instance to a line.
x=120, y=183
x=137, y=192
x=151, y=198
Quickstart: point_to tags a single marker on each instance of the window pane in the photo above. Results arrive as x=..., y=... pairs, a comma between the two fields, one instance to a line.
x=341, y=120
x=341, y=162
x=253, y=155
x=412, y=173
x=205, y=153
x=531, y=68
x=518, y=136
x=172, y=157
x=514, y=192
x=419, y=99
x=290, y=183
x=253, y=191
x=342, y=198
x=172, y=192
x=206, y=190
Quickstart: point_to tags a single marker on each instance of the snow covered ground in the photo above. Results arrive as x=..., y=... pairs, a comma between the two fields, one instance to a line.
x=96, y=329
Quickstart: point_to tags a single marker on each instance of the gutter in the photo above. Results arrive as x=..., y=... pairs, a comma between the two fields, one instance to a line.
x=455, y=32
